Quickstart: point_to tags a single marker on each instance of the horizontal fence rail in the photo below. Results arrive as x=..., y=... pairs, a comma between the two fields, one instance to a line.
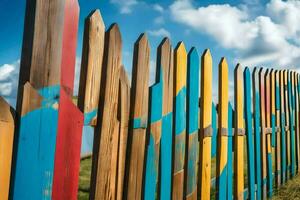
x=166, y=141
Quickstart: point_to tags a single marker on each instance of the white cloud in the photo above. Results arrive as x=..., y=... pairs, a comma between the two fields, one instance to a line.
x=159, y=20
x=158, y=8
x=9, y=76
x=159, y=33
x=125, y=6
x=77, y=75
x=272, y=38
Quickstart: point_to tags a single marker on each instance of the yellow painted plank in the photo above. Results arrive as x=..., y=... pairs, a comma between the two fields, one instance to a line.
x=239, y=133
x=205, y=125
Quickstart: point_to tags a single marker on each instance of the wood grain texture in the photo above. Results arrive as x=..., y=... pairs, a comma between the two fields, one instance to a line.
x=103, y=181
x=223, y=125
x=268, y=135
x=287, y=124
x=282, y=123
x=238, y=139
x=67, y=152
x=277, y=133
x=91, y=67
x=7, y=128
x=193, y=93
x=124, y=109
x=180, y=63
x=42, y=45
x=205, y=122
x=263, y=132
x=257, y=134
x=138, y=113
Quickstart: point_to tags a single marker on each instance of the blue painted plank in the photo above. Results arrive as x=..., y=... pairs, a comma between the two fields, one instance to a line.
x=214, y=132
x=229, y=157
x=250, y=145
x=282, y=127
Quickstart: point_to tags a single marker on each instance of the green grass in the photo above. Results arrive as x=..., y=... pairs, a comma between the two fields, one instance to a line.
x=288, y=191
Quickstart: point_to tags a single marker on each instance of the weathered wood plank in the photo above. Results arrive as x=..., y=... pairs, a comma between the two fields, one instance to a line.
x=103, y=181
x=287, y=124
x=124, y=109
x=268, y=135
x=193, y=82
x=277, y=132
x=67, y=152
x=239, y=133
x=138, y=116
x=257, y=133
x=91, y=67
x=179, y=120
x=7, y=128
x=223, y=129
x=249, y=135
x=205, y=125
x=283, y=124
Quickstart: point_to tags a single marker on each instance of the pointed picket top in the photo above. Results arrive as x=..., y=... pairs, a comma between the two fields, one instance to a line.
x=6, y=111
x=142, y=41
x=95, y=18
x=114, y=32
x=163, y=50
x=181, y=66
x=223, y=92
x=206, y=56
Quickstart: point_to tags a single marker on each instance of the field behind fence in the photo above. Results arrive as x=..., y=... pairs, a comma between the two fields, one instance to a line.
x=169, y=141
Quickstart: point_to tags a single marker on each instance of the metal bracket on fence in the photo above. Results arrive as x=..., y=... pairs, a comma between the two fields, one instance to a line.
x=207, y=131
x=268, y=130
x=240, y=131
x=277, y=129
x=224, y=132
x=286, y=128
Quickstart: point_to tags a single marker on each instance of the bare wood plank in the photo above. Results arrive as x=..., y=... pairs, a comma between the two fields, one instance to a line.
x=91, y=67
x=205, y=125
x=238, y=136
x=124, y=109
x=7, y=128
x=103, y=184
x=138, y=116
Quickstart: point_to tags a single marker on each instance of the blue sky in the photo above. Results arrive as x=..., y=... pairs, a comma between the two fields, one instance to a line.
x=254, y=33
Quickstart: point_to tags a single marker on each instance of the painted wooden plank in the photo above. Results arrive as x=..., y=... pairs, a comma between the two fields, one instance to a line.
x=287, y=124
x=138, y=116
x=91, y=67
x=282, y=123
x=257, y=131
x=249, y=135
x=124, y=109
x=214, y=132
x=229, y=161
x=277, y=132
x=193, y=82
x=297, y=118
x=43, y=19
x=7, y=128
x=263, y=132
x=223, y=130
x=103, y=181
x=68, y=58
x=67, y=152
x=180, y=120
x=166, y=152
x=239, y=134
x=36, y=146
x=156, y=113
x=269, y=134
x=205, y=125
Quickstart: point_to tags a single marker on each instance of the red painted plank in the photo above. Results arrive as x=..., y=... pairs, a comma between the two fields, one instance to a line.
x=69, y=45
x=68, y=145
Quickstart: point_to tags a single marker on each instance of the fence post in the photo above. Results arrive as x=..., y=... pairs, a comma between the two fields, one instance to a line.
x=193, y=82
x=91, y=67
x=283, y=135
x=103, y=183
x=7, y=128
x=278, y=129
x=239, y=133
x=205, y=125
x=297, y=124
x=180, y=62
x=138, y=118
x=249, y=134
x=223, y=130
x=229, y=161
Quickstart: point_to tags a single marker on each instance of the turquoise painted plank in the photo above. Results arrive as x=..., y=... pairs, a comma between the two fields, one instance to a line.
x=229, y=156
x=292, y=131
x=166, y=157
x=193, y=81
x=35, y=154
x=282, y=127
x=214, y=132
x=151, y=176
x=256, y=110
x=277, y=109
x=249, y=135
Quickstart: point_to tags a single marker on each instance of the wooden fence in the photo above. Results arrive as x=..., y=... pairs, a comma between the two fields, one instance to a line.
x=169, y=141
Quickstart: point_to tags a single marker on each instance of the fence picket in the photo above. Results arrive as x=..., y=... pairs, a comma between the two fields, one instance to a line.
x=297, y=122
x=278, y=128
x=283, y=130
x=287, y=124
x=230, y=150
